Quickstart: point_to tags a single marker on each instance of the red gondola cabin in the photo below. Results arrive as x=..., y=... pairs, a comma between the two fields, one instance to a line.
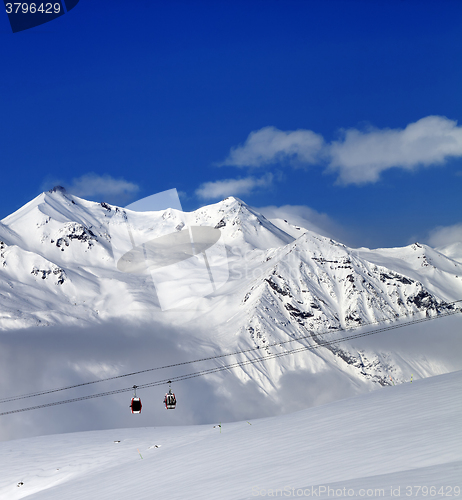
x=135, y=405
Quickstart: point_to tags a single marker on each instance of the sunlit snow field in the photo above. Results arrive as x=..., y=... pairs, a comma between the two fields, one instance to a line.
x=404, y=439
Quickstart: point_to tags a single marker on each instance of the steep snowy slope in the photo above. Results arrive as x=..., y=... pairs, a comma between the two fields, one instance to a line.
x=398, y=441
x=437, y=272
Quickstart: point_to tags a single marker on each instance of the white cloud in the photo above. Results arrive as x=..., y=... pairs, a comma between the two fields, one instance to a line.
x=445, y=235
x=232, y=187
x=448, y=240
x=360, y=157
x=270, y=145
x=91, y=185
x=305, y=218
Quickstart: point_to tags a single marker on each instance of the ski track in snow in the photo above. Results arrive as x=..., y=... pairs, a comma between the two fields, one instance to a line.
x=396, y=437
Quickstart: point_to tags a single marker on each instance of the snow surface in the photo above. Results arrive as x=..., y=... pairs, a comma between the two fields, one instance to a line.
x=402, y=436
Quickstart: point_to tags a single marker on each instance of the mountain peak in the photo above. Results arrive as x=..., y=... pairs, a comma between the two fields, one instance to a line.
x=232, y=200
x=57, y=189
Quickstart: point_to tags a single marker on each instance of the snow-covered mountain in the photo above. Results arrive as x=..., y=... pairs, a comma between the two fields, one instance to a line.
x=57, y=267
x=285, y=282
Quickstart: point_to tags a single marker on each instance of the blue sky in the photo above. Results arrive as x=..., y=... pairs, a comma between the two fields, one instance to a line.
x=346, y=112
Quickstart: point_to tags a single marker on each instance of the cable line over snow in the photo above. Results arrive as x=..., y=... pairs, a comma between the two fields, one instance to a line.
x=209, y=358
x=225, y=367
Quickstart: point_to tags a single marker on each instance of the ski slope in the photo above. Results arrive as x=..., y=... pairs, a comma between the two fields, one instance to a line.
x=403, y=439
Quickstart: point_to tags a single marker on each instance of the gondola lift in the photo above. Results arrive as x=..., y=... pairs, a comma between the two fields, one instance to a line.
x=170, y=400
x=135, y=405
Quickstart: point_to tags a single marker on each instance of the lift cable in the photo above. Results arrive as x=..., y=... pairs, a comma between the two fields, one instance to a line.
x=233, y=365
x=174, y=365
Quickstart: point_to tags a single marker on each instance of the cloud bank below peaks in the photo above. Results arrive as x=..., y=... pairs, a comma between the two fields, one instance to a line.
x=358, y=157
